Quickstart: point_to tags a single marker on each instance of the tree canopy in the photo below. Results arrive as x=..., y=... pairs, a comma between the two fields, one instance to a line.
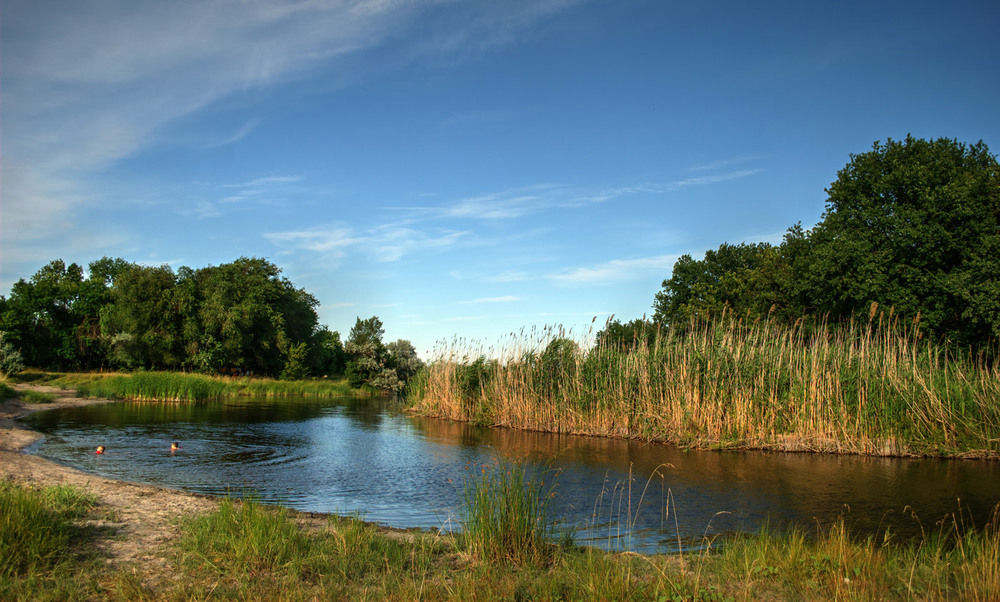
x=911, y=225
x=241, y=317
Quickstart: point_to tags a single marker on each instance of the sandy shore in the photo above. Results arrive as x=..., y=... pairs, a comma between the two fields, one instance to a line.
x=143, y=517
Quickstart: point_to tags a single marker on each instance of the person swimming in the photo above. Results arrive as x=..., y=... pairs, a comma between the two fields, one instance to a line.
x=100, y=449
x=174, y=447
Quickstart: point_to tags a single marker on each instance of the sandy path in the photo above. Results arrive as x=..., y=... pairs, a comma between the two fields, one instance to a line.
x=141, y=516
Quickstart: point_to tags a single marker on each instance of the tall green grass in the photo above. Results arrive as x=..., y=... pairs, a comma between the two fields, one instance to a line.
x=871, y=388
x=42, y=541
x=248, y=551
x=179, y=386
x=507, y=515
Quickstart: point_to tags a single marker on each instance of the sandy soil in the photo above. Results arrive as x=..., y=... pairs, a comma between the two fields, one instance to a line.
x=142, y=517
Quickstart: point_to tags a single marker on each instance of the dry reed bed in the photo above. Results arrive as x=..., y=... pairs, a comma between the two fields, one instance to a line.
x=874, y=388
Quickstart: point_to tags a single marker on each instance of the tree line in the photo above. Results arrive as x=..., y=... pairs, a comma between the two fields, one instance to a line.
x=239, y=318
x=911, y=230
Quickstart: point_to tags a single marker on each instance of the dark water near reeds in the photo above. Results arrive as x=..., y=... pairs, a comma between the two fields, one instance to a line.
x=360, y=458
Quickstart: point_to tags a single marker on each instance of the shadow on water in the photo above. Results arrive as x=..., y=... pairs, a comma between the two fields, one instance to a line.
x=356, y=456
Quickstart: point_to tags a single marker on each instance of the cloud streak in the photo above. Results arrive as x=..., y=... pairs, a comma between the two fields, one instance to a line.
x=616, y=270
x=89, y=84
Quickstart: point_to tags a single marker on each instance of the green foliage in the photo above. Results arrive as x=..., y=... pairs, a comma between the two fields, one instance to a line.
x=740, y=277
x=179, y=386
x=371, y=363
x=366, y=353
x=236, y=318
x=624, y=337
x=507, y=514
x=43, y=545
x=11, y=361
x=913, y=226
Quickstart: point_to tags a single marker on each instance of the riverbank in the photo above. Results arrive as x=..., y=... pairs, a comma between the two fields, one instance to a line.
x=157, y=544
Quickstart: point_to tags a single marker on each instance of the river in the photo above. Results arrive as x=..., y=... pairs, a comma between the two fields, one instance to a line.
x=360, y=457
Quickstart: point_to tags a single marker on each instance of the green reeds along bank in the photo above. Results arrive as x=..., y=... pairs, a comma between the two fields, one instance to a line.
x=872, y=388
x=43, y=545
x=178, y=386
x=507, y=513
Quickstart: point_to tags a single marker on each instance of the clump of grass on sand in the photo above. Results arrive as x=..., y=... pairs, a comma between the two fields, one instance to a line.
x=43, y=544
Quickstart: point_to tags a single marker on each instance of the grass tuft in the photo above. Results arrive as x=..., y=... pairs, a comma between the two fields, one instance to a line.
x=507, y=514
x=42, y=543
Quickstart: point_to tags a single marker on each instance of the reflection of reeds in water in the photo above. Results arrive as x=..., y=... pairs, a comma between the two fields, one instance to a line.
x=871, y=388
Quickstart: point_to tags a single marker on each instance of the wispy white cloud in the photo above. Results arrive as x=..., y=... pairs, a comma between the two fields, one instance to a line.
x=384, y=243
x=528, y=200
x=616, y=270
x=236, y=136
x=89, y=84
x=713, y=179
x=503, y=299
x=723, y=163
x=266, y=180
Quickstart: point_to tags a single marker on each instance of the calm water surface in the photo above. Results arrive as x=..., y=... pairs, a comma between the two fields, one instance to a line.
x=355, y=456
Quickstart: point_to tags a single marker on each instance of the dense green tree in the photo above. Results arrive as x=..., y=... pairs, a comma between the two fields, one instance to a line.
x=914, y=225
x=911, y=225
x=40, y=318
x=624, y=337
x=403, y=359
x=11, y=361
x=142, y=324
x=241, y=316
x=366, y=355
x=745, y=278
x=326, y=354
x=252, y=319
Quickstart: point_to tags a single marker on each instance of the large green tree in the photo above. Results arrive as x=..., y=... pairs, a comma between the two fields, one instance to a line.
x=366, y=353
x=141, y=325
x=41, y=317
x=914, y=225
x=251, y=319
x=749, y=279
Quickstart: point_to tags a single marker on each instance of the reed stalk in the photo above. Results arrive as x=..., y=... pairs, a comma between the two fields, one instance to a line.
x=874, y=388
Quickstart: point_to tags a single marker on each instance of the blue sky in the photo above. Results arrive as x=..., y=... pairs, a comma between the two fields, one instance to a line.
x=460, y=168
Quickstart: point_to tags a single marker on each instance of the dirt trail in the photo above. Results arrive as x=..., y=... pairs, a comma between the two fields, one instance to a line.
x=142, y=517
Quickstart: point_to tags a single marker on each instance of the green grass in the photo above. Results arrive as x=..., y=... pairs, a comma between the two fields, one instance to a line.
x=506, y=514
x=179, y=386
x=246, y=551
x=44, y=548
x=30, y=396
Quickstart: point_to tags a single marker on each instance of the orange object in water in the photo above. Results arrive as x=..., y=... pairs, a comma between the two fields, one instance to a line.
x=100, y=449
